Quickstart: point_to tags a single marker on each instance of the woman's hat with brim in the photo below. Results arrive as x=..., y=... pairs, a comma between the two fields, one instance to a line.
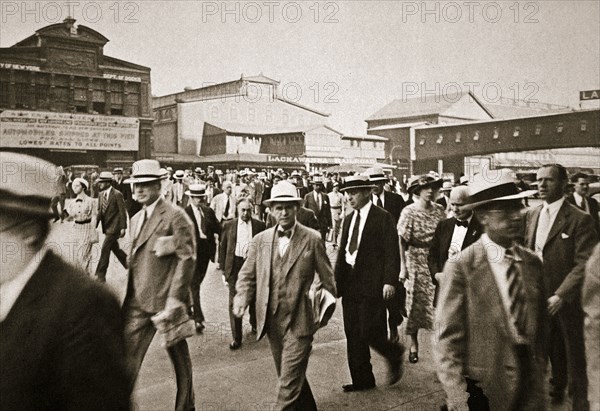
x=376, y=175
x=83, y=182
x=494, y=185
x=283, y=192
x=105, y=176
x=27, y=184
x=145, y=171
x=421, y=182
x=196, y=190
x=357, y=182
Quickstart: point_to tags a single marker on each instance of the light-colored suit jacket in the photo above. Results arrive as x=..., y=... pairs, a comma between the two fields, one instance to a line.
x=473, y=334
x=307, y=256
x=152, y=279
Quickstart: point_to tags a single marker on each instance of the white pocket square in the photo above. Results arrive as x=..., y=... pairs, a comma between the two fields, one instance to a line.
x=564, y=236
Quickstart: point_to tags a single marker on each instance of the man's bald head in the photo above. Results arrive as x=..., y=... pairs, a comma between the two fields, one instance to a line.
x=458, y=198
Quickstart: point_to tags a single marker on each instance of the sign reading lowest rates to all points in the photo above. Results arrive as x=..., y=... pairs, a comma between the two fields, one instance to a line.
x=36, y=129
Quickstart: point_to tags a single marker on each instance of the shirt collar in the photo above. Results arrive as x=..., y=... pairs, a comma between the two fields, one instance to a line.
x=242, y=222
x=107, y=191
x=364, y=211
x=555, y=206
x=495, y=252
x=150, y=208
x=577, y=197
x=293, y=229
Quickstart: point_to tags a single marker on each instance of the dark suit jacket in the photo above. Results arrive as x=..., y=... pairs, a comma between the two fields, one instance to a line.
x=154, y=278
x=61, y=345
x=229, y=241
x=210, y=227
x=443, y=202
x=377, y=260
x=393, y=204
x=114, y=219
x=568, y=247
x=125, y=189
x=438, y=252
x=473, y=334
x=305, y=217
x=324, y=214
x=593, y=211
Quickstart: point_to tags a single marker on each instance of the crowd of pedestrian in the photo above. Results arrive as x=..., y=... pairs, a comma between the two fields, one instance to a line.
x=504, y=285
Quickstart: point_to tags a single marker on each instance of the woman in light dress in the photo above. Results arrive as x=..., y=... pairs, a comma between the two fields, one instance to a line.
x=416, y=228
x=80, y=211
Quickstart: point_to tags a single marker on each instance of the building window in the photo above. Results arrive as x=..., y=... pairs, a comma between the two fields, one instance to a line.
x=23, y=95
x=42, y=96
x=99, y=107
x=116, y=98
x=59, y=96
x=374, y=144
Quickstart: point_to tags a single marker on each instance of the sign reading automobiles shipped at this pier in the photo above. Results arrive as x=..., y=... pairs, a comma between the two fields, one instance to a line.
x=38, y=129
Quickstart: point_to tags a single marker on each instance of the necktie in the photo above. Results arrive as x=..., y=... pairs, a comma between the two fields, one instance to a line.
x=319, y=201
x=379, y=202
x=141, y=227
x=104, y=201
x=202, y=223
x=464, y=224
x=354, y=238
x=516, y=292
x=543, y=230
x=226, y=212
x=584, y=204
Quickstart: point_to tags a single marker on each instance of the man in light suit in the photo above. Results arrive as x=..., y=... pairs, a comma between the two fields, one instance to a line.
x=160, y=276
x=563, y=236
x=590, y=301
x=178, y=189
x=206, y=227
x=223, y=204
x=490, y=315
x=113, y=216
x=279, y=272
x=318, y=202
x=61, y=333
x=366, y=274
x=236, y=237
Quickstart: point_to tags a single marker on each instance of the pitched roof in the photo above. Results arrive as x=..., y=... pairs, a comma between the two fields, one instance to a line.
x=418, y=106
x=262, y=130
x=508, y=108
x=368, y=137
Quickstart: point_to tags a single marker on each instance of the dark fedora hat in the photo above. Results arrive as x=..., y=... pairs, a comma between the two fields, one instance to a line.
x=425, y=181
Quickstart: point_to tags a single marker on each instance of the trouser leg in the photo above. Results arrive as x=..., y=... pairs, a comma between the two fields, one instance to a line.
x=107, y=246
x=182, y=363
x=235, y=323
x=199, y=273
x=359, y=355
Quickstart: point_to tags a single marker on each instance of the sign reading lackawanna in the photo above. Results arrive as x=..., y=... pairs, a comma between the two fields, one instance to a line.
x=38, y=129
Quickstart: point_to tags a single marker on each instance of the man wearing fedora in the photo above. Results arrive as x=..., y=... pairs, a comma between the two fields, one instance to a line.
x=393, y=204
x=206, y=227
x=179, y=189
x=444, y=200
x=236, y=237
x=336, y=204
x=318, y=202
x=161, y=268
x=563, y=236
x=279, y=272
x=61, y=334
x=113, y=216
x=366, y=276
x=490, y=316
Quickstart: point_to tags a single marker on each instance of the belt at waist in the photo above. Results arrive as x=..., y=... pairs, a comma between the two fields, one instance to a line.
x=336, y=208
x=89, y=220
x=226, y=219
x=418, y=245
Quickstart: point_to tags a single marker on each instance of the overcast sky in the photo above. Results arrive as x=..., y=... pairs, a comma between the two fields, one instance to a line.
x=347, y=58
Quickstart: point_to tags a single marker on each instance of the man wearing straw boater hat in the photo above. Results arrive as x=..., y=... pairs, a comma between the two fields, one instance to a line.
x=366, y=273
x=206, y=227
x=113, y=216
x=318, y=201
x=61, y=334
x=491, y=316
x=161, y=267
x=279, y=271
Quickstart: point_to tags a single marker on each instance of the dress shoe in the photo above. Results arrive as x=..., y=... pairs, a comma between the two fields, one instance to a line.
x=353, y=388
x=234, y=345
x=199, y=327
x=396, y=367
x=413, y=357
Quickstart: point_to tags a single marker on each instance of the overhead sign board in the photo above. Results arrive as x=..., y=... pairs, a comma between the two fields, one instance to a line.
x=38, y=129
x=589, y=95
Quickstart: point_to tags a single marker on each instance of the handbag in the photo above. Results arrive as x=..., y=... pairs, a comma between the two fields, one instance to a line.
x=174, y=325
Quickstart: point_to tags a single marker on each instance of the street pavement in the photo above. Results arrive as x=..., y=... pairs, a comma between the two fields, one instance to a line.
x=245, y=379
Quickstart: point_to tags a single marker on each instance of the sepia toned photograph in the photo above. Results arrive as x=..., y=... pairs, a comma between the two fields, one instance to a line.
x=300, y=205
